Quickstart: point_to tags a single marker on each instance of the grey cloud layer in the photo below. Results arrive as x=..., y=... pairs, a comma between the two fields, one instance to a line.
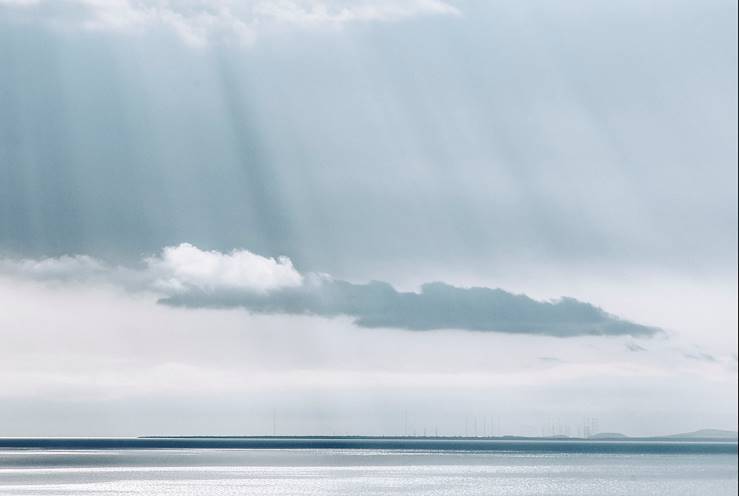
x=436, y=306
x=551, y=131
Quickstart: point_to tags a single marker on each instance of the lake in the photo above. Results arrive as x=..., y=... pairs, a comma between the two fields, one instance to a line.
x=497, y=468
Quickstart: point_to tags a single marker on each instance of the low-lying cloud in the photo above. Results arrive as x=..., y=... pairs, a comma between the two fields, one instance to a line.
x=198, y=22
x=436, y=306
x=187, y=276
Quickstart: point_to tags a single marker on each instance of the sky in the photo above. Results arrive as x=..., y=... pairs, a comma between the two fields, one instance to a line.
x=367, y=217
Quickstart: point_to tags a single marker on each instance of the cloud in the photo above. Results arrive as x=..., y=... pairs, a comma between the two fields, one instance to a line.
x=700, y=356
x=176, y=269
x=186, y=267
x=199, y=21
x=64, y=268
x=187, y=276
x=436, y=306
x=549, y=359
x=635, y=347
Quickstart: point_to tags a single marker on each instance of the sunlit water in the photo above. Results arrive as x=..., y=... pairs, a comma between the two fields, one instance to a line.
x=361, y=472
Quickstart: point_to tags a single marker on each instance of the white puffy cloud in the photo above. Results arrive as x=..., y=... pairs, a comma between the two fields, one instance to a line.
x=175, y=269
x=186, y=266
x=199, y=21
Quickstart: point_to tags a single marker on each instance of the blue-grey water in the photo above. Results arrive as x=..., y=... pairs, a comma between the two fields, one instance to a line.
x=507, y=471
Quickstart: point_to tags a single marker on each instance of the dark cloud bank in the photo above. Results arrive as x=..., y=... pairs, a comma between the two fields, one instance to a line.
x=436, y=306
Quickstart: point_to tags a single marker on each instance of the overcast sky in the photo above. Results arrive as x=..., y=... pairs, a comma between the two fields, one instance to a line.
x=344, y=210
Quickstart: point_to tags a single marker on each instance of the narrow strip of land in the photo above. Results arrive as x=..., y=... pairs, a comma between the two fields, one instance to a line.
x=654, y=445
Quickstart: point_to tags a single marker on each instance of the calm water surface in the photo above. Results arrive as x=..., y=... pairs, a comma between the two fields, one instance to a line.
x=343, y=472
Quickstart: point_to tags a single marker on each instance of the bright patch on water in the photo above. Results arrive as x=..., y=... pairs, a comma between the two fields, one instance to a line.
x=361, y=472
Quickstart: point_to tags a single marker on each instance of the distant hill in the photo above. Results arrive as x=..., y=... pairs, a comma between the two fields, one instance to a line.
x=609, y=435
x=717, y=434
x=705, y=434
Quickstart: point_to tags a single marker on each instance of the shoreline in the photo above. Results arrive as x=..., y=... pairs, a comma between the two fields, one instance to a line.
x=440, y=444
